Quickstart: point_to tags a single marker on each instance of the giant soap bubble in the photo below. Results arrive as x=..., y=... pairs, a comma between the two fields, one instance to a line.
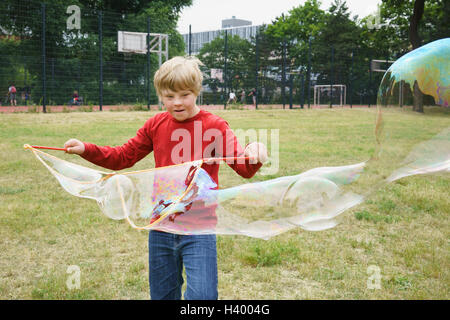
x=416, y=89
x=183, y=199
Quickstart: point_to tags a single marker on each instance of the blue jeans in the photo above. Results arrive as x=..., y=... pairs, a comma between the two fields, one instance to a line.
x=167, y=254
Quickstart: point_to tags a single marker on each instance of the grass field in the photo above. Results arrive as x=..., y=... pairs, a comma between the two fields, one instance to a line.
x=401, y=233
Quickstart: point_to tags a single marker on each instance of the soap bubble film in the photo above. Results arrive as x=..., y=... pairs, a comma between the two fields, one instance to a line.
x=183, y=199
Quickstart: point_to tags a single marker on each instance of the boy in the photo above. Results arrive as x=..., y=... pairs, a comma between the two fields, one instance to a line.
x=12, y=95
x=178, y=83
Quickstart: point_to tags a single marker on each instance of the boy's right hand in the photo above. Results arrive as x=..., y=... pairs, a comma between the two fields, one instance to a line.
x=74, y=146
x=257, y=151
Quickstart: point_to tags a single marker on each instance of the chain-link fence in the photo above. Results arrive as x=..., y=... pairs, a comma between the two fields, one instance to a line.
x=68, y=55
x=58, y=55
x=284, y=76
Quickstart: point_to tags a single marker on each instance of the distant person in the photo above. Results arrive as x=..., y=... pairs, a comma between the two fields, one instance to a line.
x=243, y=97
x=12, y=95
x=253, y=94
x=232, y=98
x=75, y=98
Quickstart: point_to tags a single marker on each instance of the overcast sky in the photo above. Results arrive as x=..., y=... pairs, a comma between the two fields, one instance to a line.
x=205, y=15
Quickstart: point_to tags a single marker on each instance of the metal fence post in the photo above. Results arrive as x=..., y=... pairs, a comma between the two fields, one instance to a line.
x=190, y=40
x=291, y=80
x=331, y=77
x=303, y=90
x=27, y=90
x=52, y=87
x=283, y=73
x=100, y=56
x=44, y=74
x=256, y=70
x=79, y=77
x=309, y=72
x=225, y=71
x=148, y=64
x=351, y=81
x=370, y=81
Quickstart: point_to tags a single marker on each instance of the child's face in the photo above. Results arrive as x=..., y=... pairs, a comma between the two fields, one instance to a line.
x=180, y=104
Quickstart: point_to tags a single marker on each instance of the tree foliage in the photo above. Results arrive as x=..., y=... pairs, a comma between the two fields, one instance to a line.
x=240, y=62
x=73, y=55
x=331, y=44
x=336, y=46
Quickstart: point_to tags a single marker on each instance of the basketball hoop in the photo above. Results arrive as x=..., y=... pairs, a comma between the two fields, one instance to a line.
x=136, y=43
x=376, y=65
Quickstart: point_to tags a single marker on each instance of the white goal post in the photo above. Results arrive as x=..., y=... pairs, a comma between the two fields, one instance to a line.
x=319, y=88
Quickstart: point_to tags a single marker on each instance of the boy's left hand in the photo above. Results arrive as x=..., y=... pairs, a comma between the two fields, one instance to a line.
x=256, y=150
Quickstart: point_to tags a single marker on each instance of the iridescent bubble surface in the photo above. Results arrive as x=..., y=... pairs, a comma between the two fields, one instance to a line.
x=415, y=88
x=183, y=199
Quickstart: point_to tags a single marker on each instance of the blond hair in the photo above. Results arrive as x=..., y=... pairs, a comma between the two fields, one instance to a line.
x=179, y=73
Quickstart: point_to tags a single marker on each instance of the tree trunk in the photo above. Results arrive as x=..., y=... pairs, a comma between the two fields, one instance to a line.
x=416, y=42
x=418, y=98
x=414, y=38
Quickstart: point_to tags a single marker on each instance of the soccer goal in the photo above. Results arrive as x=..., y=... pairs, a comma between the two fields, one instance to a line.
x=330, y=92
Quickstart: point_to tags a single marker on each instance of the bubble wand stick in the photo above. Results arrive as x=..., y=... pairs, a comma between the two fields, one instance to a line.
x=207, y=160
x=49, y=148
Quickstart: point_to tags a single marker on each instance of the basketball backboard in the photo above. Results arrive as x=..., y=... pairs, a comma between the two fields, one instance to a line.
x=380, y=65
x=133, y=42
x=136, y=42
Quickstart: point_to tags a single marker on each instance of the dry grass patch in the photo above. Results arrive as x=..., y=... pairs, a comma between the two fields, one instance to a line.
x=402, y=229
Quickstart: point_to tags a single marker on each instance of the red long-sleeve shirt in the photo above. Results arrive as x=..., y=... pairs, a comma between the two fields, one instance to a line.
x=203, y=136
x=166, y=136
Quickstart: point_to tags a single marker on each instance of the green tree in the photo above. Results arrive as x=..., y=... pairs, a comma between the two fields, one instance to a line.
x=240, y=62
x=284, y=45
x=73, y=54
x=339, y=37
x=295, y=29
x=338, y=54
x=410, y=24
x=393, y=34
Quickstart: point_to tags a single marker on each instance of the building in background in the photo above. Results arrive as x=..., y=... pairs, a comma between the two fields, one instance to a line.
x=242, y=28
x=233, y=22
